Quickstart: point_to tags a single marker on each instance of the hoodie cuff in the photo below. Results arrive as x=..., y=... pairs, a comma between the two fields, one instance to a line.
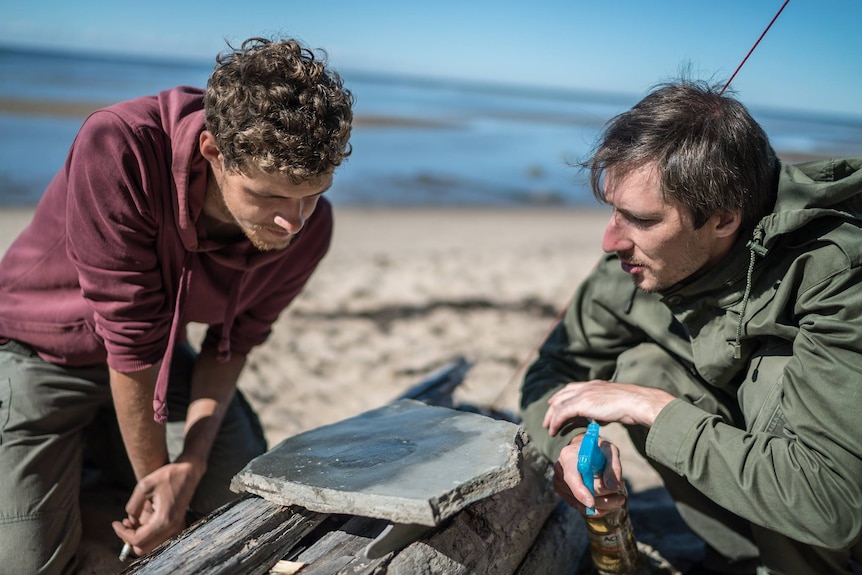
x=669, y=438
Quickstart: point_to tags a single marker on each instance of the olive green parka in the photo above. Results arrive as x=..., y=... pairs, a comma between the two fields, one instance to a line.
x=775, y=331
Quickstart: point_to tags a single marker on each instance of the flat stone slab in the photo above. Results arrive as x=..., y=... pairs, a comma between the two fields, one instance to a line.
x=407, y=462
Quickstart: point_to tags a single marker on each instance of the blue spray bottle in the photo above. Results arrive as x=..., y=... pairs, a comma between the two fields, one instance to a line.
x=612, y=543
x=591, y=460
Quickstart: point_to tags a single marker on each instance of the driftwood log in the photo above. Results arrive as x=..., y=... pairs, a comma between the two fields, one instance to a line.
x=520, y=531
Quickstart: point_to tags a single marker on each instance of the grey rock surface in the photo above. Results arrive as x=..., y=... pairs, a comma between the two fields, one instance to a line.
x=407, y=462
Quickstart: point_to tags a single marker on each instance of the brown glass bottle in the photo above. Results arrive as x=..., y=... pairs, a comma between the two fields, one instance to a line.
x=612, y=542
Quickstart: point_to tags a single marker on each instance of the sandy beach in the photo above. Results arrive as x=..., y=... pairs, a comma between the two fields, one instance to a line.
x=402, y=293
x=405, y=291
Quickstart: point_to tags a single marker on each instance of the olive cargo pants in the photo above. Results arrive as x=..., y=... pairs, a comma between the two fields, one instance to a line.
x=46, y=412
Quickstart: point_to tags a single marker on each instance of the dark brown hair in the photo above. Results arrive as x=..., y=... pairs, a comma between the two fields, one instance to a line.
x=710, y=154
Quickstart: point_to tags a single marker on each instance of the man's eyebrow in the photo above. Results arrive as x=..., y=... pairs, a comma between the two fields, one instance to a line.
x=267, y=192
x=318, y=194
x=637, y=215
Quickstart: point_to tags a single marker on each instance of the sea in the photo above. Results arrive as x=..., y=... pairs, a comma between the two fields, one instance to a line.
x=417, y=141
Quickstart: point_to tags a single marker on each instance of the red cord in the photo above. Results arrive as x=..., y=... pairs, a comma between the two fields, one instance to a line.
x=774, y=18
x=562, y=311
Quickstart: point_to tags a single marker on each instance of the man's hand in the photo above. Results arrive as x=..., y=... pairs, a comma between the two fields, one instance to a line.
x=605, y=402
x=157, y=508
x=569, y=484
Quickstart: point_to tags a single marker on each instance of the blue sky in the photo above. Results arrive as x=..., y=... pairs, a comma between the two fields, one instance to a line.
x=811, y=59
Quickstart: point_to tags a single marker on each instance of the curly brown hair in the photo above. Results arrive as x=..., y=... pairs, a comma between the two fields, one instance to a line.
x=275, y=106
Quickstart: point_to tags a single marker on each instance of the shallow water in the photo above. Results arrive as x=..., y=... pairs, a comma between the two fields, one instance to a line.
x=452, y=144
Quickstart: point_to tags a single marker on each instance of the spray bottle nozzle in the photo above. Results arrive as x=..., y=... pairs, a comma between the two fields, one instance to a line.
x=591, y=460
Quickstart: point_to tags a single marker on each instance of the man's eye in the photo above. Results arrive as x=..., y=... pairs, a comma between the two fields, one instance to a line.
x=261, y=195
x=640, y=221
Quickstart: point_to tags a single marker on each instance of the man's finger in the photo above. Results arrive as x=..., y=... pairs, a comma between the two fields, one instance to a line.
x=136, y=504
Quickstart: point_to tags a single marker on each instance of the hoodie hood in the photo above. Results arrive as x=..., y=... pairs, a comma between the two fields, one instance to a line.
x=183, y=120
x=182, y=115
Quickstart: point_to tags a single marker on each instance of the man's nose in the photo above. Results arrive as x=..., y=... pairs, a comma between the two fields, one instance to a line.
x=290, y=215
x=614, y=239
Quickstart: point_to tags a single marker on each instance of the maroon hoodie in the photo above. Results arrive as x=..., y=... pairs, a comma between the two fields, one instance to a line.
x=116, y=261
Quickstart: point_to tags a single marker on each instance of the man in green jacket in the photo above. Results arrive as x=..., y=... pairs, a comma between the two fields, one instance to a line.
x=723, y=328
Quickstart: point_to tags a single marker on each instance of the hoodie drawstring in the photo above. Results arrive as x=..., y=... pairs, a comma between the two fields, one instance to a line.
x=229, y=317
x=160, y=396
x=755, y=249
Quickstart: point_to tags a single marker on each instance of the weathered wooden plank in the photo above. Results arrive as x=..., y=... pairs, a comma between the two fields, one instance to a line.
x=520, y=531
x=245, y=537
x=437, y=388
x=251, y=534
x=342, y=550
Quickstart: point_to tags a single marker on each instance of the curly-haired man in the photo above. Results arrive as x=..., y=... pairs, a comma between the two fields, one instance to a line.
x=188, y=206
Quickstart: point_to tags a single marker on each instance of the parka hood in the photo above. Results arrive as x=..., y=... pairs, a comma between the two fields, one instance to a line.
x=807, y=193
x=818, y=195
x=810, y=191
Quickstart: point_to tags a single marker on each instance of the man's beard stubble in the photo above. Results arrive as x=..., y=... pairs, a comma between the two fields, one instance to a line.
x=252, y=232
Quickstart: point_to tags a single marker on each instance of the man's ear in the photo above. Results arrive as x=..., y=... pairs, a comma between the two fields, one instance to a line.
x=209, y=149
x=728, y=223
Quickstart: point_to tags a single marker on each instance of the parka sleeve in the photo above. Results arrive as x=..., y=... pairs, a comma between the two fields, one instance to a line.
x=804, y=479
x=582, y=347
